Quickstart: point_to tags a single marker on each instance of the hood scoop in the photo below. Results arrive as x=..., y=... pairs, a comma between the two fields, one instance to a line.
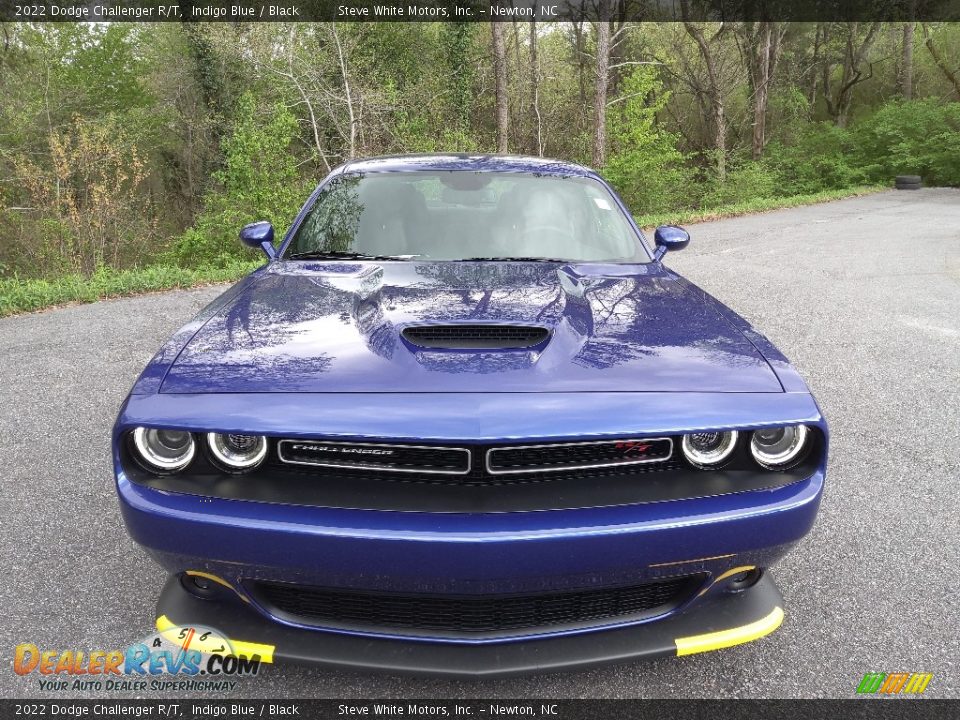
x=461, y=336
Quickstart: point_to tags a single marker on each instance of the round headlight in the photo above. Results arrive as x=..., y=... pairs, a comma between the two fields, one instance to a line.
x=776, y=448
x=164, y=450
x=709, y=449
x=237, y=452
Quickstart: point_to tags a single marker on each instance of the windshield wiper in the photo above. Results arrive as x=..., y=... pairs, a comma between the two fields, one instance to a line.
x=344, y=255
x=515, y=259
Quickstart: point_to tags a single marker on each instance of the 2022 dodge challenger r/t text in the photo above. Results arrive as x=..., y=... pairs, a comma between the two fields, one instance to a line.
x=464, y=421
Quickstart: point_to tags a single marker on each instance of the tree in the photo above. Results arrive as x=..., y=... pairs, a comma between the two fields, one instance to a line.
x=856, y=45
x=644, y=162
x=536, y=123
x=906, y=69
x=715, y=90
x=760, y=47
x=941, y=63
x=601, y=82
x=258, y=181
x=88, y=197
x=456, y=43
x=500, y=81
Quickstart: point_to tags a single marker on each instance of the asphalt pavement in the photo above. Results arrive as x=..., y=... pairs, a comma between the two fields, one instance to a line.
x=862, y=294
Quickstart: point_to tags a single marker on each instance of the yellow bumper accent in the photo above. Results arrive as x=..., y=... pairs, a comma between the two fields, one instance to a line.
x=240, y=648
x=734, y=636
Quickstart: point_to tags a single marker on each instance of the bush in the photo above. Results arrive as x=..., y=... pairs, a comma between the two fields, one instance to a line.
x=259, y=181
x=86, y=208
x=644, y=164
x=921, y=137
x=820, y=158
x=746, y=181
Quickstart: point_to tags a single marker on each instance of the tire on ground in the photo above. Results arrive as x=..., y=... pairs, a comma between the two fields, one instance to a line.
x=908, y=182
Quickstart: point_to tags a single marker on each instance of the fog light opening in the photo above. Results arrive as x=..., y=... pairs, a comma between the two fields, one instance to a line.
x=200, y=586
x=744, y=580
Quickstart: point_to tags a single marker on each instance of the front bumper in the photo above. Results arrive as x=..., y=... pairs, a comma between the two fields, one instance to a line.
x=468, y=553
x=719, y=621
x=480, y=553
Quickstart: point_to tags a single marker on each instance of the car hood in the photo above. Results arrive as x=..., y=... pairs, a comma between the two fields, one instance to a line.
x=336, y=327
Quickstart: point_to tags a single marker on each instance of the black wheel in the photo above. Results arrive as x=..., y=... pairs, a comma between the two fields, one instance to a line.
x=908, y=179
x=909, y=186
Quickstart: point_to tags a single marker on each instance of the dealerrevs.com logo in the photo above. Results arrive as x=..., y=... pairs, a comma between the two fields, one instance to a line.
x=187, y=658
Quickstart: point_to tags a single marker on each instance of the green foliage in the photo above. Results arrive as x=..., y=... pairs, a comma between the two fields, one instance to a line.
x=99, y=70
x=259, y=181
x=128, y=145
x=745, y=207
x=24, y=295
x=455, y=39
x=644, y=164
x=746, y=181
x=921, y=137
x=820, y=158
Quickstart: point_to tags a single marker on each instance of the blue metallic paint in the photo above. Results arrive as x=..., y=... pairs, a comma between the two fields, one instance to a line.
x=670, y=238
x=507, y=552
x=302, y=349
x=322, y=327
x=259, y=235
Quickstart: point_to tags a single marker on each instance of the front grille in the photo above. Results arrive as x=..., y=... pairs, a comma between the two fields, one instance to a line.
x=475, y=337
x=480, y=464
x=379, y=457
x=573, y=456
x=490, y=614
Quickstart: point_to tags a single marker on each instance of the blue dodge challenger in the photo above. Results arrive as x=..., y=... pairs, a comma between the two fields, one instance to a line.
x=464, y=421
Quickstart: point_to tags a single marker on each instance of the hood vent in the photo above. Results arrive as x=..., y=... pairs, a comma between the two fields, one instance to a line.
x=475, y=337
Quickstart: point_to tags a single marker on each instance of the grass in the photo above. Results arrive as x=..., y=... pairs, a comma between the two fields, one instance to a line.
x=749, y=207
x=18, y=295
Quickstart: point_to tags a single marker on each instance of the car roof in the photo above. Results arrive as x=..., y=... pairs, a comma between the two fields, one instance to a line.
x=468, y=162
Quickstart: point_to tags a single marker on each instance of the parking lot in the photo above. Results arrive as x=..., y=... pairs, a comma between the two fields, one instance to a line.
x=862, y=294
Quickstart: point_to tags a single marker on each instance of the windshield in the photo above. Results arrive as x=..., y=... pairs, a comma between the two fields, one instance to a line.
x=459, y=215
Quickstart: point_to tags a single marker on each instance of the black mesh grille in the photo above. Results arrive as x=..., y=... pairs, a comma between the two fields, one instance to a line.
x=565, y=456
x=502, y=464
x=478, y=476
x=471, y=614
x=471, y=337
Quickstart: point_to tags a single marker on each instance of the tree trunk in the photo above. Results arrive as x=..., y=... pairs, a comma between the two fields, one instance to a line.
x=581, y=65
x=814, y=66
x=715, y=91
x=500, y=82
x=518, y=116
x=851, y=74
x=906, y=72
x=347, y=93
x=763, y=61
x=536, y=123
x=600, y=88
x=770, y=43
x=938, y=60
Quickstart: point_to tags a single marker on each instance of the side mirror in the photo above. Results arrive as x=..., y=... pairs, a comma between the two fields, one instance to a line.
x=670, y=238
x=259, y=235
